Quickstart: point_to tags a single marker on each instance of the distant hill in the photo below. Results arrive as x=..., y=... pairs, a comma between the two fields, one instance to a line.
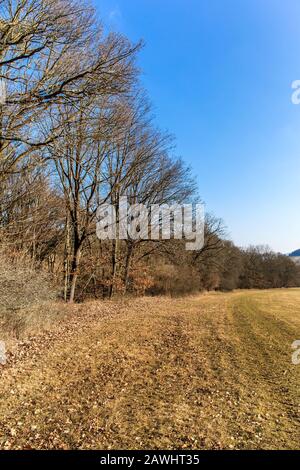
x=295, y=253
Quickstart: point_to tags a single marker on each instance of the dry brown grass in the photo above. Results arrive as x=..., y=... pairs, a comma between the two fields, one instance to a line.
x=210, y=372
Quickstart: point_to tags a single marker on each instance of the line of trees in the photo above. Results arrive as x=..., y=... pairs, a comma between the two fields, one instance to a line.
x=77, y=130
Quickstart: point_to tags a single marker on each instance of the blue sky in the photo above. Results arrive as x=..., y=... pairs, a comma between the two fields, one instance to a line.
x=219, y=74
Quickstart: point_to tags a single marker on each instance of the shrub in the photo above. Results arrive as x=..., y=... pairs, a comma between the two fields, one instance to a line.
x=21, y=288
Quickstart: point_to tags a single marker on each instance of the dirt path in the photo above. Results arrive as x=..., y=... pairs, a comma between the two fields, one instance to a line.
x=208, y=372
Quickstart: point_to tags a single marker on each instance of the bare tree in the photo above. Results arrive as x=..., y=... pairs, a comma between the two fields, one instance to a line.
x=52, y=52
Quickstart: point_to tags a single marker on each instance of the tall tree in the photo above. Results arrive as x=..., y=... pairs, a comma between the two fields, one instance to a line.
x=52, y=52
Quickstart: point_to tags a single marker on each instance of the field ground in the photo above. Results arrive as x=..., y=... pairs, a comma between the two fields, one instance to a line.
x=205, y=372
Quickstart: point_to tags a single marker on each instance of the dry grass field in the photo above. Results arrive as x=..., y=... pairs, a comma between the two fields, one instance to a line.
x=206, y=372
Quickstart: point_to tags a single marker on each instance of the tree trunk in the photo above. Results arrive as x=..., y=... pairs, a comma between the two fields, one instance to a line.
x=67, y=259
x=114, y=266
x=127, y=266
x=74, y=274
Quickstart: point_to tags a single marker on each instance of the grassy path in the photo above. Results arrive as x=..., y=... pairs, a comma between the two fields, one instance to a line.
x=206, y=372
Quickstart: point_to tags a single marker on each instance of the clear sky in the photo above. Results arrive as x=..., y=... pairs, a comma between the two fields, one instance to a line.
x=219, y=74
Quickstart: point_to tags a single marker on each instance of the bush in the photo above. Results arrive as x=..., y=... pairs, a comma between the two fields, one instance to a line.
x=174, y=280
x=21, y=289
